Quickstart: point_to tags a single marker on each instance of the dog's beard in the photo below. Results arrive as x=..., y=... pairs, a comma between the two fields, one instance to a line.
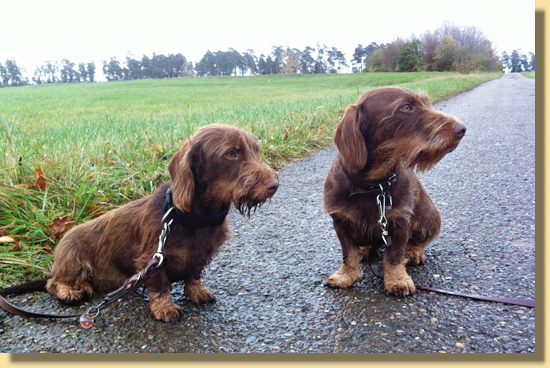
x=248, y=207
x=252, y=196
x=424, y=155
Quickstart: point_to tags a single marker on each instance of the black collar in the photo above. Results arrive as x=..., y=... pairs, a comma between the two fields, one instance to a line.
x=192, y=219
x=370, y=188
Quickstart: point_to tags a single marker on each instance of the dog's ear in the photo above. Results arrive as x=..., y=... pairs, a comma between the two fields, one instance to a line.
x=181, y=176
x=350, y=141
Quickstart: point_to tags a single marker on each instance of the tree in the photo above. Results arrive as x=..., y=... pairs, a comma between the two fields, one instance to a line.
x=134, y=68
x=176, y=65
x=506, y=63
x=361, y=56
x=159, y=66
x=278, y=59
x=52, y=72
x=4, y=75
x=39, y=75
x=341, y=60
x=446, y=54
x=320, y=66
x=146, y=67
x=225, y=63
x=409, y=57
x=358, y=58
x=390, y=54
x=68, y=74
x=431, y=42
x=270, y=66
x=250, y=62
x=291, y=61
x=262, y=65
x=12, y=75
x=90, y=69
x=369, y=51
x=335, y=56
x=112, y=70
x=452, y=47
x=515, y=62
x=306, y=61
x=375, y=62
x=82, y=72
x=207, y=65
x=524, y=62
x=236, y=61
x=187, y=70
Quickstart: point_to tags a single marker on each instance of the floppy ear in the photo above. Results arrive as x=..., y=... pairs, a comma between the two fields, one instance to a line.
x=350, y=141
x=183, y=183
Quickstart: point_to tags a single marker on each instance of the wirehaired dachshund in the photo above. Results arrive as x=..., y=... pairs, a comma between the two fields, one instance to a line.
x=218, y=166
x=372, y=192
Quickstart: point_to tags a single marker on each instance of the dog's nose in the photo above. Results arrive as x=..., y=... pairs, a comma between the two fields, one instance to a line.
x=271, y=186
x=459, y=130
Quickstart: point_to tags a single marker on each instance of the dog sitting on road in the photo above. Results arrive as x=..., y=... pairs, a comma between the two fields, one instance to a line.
x=218, y=166
x=372, y=193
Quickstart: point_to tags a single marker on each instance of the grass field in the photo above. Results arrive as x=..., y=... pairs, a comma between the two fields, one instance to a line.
x=100, y=145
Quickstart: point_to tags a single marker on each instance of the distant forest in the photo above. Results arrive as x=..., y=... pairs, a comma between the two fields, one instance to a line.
x=448, y=48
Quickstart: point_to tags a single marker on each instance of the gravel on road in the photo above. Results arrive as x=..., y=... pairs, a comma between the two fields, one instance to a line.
x=268, y=278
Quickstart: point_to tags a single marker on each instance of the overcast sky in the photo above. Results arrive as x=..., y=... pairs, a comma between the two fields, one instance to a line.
x=33, y=32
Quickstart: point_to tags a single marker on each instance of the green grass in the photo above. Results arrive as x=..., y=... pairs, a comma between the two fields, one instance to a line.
x=100, y=145
x=529, y=74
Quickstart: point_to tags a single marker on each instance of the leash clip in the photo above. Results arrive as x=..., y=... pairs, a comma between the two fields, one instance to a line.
x=384, y=202
x=163, y=236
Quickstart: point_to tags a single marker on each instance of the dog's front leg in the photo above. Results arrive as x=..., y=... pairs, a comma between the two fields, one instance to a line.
x=160, y=301
x=196, y=292
x=350, y=270
x=396, y=279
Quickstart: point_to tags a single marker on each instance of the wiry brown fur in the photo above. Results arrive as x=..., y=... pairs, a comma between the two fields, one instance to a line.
x=378, y=135
x=218, y=166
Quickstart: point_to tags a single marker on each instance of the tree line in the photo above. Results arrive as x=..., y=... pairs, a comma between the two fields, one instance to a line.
x=448, y=48
x=157, y=66
x=318, y=60
x=518, y=62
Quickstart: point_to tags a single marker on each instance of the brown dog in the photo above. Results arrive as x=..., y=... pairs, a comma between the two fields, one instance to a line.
x=218, y=166
x=381, y=139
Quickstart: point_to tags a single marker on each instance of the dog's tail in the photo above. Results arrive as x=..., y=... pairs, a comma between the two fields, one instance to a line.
x=34, y=285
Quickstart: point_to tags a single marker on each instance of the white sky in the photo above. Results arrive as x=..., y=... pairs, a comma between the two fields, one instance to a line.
x=33, y=32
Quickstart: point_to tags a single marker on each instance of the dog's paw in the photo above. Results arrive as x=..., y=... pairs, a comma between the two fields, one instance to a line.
x=400, y=286
x=167, y=313
x=343, y=278
x=415, y=256
x=196, y=292
x=397, y=281
x=163, y=308
x=71, y=295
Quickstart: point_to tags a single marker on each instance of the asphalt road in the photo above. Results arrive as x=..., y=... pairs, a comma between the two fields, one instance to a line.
x=268, y=279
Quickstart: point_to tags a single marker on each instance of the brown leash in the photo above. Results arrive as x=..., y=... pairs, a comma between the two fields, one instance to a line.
x=521, y=302
x=87, y=319
x=4, y=304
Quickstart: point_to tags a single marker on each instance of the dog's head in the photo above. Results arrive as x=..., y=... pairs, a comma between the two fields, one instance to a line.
x=395, y=125
x=220, y=164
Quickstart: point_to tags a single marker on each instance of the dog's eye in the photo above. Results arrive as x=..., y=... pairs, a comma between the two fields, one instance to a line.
x=232, y=154
x=407, y=108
